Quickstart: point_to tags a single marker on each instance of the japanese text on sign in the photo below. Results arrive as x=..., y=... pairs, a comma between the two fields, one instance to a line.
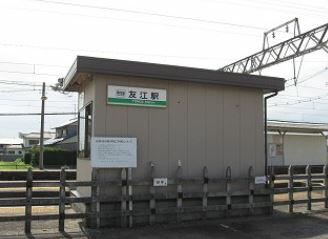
x=123, y=95
x=113, y=152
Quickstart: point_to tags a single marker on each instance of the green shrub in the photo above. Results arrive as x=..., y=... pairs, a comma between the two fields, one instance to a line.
x=52, y=156
x=19, y=161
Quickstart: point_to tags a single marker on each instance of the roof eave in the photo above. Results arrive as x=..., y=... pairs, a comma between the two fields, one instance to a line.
x=89, y=65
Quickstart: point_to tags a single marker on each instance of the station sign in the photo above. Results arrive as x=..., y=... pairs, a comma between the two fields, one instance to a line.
x=109, y=152
x=136, y=96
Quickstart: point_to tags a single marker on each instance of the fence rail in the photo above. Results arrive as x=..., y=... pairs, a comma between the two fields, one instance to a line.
x=307, y=179
x=128, y=199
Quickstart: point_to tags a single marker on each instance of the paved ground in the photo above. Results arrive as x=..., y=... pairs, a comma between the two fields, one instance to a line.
x=281, y=226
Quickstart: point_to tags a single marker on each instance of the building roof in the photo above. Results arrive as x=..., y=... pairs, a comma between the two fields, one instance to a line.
x=36, y=135
x=84, y=66
x=52, y=141
x=11, y=141
x=70, y=140
x=69, y=122
x=14, y=146
x=297, y=127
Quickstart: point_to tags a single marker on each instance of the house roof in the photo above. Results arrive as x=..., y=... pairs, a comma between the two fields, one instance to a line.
x=83, y=67
x=70, y=140
x=11, y=141
x=14, y=146
x=297, y=127
x=52, y=141
x=69, y=122
x=36, y=135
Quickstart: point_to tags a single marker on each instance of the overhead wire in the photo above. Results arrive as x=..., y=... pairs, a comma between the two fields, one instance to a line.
x=147, y=13
x=274, y=6
x=103, y=51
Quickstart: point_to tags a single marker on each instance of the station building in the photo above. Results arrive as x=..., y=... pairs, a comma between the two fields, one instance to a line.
x=180, y=117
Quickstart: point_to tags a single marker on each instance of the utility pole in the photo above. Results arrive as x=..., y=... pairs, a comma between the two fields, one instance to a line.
x=43, y=100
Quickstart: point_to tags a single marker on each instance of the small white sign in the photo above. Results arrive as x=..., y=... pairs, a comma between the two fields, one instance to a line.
x=260, y=180
x=107, y=152
x=160, y=182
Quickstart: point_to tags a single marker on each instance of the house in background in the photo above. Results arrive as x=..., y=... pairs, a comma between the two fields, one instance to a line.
x=66, y=136
x=296, y=143
x=11, y=149
x=33, y=138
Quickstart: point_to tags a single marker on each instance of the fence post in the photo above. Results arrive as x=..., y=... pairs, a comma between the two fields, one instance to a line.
x=123, y=197
x=291, y=188
x=152, y=202
x=309, y=187
x=325, y=172
x=205, y=191
x=95, y=200
x=130, y=191
x=62, y=200
x=228, y=191
x=179, y=192
x=28, y=205
x=251, y=190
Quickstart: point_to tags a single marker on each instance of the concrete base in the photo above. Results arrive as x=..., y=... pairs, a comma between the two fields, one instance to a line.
x=111, y=212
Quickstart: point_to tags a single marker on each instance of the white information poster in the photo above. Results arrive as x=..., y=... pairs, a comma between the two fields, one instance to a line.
x=108, y=152
x=260, y=180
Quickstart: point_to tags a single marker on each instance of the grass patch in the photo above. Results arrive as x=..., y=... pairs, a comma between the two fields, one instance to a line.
x=18, y=164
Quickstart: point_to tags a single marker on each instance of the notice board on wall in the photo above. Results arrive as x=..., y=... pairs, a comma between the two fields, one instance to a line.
x=117, y=152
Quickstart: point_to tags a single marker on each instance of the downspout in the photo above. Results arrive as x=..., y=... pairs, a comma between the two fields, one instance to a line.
x=266, y=131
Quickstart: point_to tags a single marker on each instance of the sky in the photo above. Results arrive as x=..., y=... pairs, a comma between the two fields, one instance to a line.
x=41, y=38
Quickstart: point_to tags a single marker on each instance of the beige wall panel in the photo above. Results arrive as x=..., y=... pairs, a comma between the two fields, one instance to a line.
x=211, y=125
x=247, y=129
x=159, y=137
x=305, y=149
x=89, y=91
x=117, y=116
x=138, y=126
x=99, y=106
x=196, y=155
x=232, y=130
x=259, y=132
x=177, y=99
x=214, y=131
x=83, y=168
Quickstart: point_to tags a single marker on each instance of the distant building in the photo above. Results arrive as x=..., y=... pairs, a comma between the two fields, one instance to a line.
x=33, y=138
x=296, y=143
x=66, y=136
x=11, y=149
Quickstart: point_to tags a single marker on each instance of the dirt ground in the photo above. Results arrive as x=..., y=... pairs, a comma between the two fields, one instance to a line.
x=281, y=225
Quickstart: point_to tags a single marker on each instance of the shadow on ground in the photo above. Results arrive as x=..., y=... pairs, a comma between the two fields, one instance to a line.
x=281, y=225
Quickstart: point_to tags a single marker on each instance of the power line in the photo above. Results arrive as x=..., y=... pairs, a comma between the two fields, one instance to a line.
x=21, y=83
x=35, y=106
x=300, y=101
x=275, y=6
x=32, y=64
x=57, y=101
x=135, y=21
x=310, y=76
x=31, y=114
x=18, y=90
x=147, y=13
x=107, y=52
x=29, y=73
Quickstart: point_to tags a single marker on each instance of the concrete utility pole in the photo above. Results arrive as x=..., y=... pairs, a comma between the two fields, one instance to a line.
x=43, y=99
